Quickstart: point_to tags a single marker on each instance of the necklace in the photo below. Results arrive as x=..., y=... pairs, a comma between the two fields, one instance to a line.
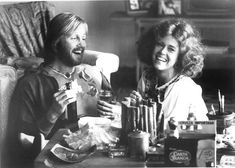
x=162, y=89
x=67, y=75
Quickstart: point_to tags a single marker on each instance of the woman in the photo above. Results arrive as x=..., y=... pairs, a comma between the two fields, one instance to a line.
x=176, y=55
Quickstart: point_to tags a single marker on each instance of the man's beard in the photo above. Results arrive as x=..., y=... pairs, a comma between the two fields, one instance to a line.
x=69, y=58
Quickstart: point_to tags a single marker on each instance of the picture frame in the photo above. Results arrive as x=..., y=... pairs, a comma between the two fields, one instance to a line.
x=169, y=7
x=138, y=7
x=134, y=5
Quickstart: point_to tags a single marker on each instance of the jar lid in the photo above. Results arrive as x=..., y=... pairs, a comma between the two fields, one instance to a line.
x=105, y=92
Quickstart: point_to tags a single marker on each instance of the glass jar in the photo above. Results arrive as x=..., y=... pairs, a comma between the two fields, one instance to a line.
x=106, y=95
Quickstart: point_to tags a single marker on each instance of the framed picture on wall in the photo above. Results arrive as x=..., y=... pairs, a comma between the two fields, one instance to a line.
x=138, y=7
x=169, y=7
x=134, y=5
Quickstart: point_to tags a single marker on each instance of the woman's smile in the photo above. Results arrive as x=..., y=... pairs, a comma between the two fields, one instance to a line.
x=160, y=58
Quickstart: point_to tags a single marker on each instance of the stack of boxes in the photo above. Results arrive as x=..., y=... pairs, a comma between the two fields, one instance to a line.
x=195, y=146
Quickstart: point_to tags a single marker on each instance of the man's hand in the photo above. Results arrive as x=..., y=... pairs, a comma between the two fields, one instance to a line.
x=59, y=103
x=108, y=110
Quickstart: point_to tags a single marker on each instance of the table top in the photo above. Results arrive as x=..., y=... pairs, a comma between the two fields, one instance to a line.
x=46, y=159
x=98, y=160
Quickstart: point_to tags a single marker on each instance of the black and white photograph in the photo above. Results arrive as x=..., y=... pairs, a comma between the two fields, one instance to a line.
x=139, y=7
x=134, y=4
x=169, y=7
x=117, y=83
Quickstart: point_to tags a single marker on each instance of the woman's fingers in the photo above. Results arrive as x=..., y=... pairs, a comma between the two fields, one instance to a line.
x=135, y=95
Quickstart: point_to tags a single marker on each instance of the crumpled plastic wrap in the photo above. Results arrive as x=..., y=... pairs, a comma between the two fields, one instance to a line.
x=92, y=134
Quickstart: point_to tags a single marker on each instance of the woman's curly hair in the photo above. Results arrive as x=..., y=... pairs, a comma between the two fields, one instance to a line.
x=191, y=54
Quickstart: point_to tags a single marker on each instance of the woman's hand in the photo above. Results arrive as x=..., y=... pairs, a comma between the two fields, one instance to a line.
x=59, y=103
x=135, y=95
x=108, y=110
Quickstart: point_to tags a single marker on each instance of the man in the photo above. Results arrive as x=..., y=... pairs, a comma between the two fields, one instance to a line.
x=40, y=99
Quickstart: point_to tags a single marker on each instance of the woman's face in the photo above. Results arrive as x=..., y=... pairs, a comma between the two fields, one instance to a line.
x=165, y=53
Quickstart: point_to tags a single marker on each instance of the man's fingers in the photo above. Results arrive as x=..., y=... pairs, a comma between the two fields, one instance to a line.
x=58, y=93
x=61, y=94
x=104, y=108
x=103, y=103
x=70, y=100
x=104, y=113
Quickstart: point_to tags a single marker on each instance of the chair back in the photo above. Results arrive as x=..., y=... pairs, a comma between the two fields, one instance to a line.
x=7, y=84
x=108, y=63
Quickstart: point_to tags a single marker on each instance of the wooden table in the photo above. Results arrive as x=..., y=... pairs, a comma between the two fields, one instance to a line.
x=99, y=160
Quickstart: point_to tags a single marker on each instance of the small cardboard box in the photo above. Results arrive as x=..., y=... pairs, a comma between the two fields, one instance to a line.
x=195, y=146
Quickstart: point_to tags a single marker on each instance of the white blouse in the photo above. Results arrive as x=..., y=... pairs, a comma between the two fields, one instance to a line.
x=181, y=97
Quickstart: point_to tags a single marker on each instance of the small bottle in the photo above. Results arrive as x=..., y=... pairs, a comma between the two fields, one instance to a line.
x=173, y=130
x=192, y=117
x=72, y=107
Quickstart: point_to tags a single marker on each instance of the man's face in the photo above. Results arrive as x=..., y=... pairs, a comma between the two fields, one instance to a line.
x=70, y=48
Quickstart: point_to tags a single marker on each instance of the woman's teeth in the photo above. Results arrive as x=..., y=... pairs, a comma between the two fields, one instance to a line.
x=161, y=59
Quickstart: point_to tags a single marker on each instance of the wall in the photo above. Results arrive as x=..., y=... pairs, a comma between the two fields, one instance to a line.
x=115, y=36
x=119, y=37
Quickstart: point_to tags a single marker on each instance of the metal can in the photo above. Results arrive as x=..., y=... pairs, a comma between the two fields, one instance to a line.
x=138, y=144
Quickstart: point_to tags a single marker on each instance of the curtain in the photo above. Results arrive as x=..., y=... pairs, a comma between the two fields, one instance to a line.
x=23, y=28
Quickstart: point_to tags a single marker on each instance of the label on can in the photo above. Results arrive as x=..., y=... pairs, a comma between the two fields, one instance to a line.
x=138, y=144
x=180, y=156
